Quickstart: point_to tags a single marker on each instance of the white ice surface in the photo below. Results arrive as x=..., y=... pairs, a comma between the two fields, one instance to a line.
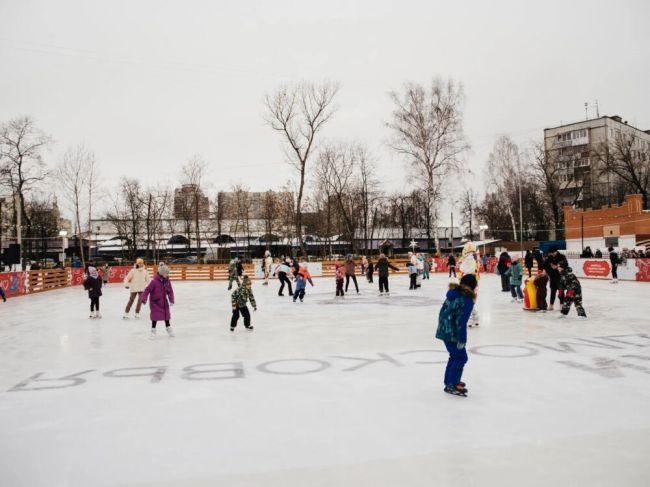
x=533, y=416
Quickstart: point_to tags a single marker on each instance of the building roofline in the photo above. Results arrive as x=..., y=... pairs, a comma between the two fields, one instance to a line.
x=593, y=119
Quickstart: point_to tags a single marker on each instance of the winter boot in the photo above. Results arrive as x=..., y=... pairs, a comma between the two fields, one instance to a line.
x=170, y=332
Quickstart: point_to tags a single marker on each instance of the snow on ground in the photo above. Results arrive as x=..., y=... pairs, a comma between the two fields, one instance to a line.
x=326, y=392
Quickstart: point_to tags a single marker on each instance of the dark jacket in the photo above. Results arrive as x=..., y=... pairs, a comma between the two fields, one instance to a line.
x=528, y=260
x=93, y=286
x=504, y=260
x=613, y=258
x=240, y=296
x=454, y=314
x=551, y=260
x=451, y=260
x=382, y=267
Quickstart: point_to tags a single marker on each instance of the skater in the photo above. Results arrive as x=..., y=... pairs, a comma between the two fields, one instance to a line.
x=469, y=265
x=161, y=297
x=426, y=267
x=452, y=329
x=570, y=284
x=419, y=267
x=93, y=284
x=105, y=274
x=2, y=294
x=451, y=263
x=350, y=268
x=371, y=270
x=239, y=298
x=339, y=281
x=136, y=280
x=554, y=258
x=502, y=267
x=413, y=274
x=541, y=281
x=382, y=270
x=302, y=276
x=364, y=265
x=528, y=262
x=515, y=273
x=281, y=271
x=613, y=259
x=235, y=270
x=266, y=264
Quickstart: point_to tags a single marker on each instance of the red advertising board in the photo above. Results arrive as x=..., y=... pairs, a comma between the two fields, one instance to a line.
x=118, y=273
x=13, y=283
x=643, y=273
x=596, y=268
x=76, y=276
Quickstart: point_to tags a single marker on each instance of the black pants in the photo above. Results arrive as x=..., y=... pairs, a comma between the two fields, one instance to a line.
x=153, y=323
x=383, y=284
x=284, y=279
x=94, y=304
x=235, y=317
x=414, y=278
x=369, y=276
x=505, y=283
x=339, y=288
x=300, y=293
x=452, y=269
x=530, y=269
x=614, y=272
x=347, y=282
x=2, y=294
x=554, y=288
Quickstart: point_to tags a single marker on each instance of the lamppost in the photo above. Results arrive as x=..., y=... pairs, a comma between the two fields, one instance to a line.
x=64, y=244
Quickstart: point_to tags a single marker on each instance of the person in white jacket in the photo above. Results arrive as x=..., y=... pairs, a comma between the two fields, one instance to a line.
x=268, y=264
x=136, y=281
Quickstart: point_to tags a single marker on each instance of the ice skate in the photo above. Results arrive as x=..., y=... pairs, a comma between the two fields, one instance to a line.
x=250, y=328
x=513, y=300
x=456, y=390
x=550, y=308
x=137, y=316
x=232, y=328
x=170, y=332
x=125, y=316
x=153, y=333
x=97, y=315
x=92, y=316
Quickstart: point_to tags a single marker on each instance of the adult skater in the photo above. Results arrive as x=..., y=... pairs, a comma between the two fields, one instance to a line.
x=426, y=267
x=364, y=265
x=570, y=284
x=451, y=263
x=613, y=259
x=382, y=271
x=554, y=258
x=268, y=262
x=93, y=284
x=136, y=281
x=161, y=297
x=238, y=299
x=350, y=273
x=281, y=271
x=452, y=330
x=469, y=265
x=502, y=266
x=528, y=263
x=235, y=271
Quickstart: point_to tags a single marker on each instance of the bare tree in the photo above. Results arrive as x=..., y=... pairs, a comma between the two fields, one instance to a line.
x=269, y=215
x=299, y=112
x=74, y=182
x=427, y=128
x=193, y=173
x=628, y=158
x=92, y=184
x=468, y=204
x=368, y=191
x=504, y=173
x=156, y=203
x=127, y=214
x=21, y=161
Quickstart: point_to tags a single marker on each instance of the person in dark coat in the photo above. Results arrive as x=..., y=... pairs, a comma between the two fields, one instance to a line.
x=382, y=270
x=613, y=259
x=528, y=262
x=502, y=267
x=371, y=270
x=160, y=294
x=452, y=330
x=93, y=284
x=451, y=263
x=599, y=254
x=553, y=259
x=541, y=281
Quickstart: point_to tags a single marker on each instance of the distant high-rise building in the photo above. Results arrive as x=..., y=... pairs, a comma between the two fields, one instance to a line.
x=186, y=200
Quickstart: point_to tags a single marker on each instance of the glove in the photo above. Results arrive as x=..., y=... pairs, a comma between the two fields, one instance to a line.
x=570, y=293
x=560, y=293
x=460, y=345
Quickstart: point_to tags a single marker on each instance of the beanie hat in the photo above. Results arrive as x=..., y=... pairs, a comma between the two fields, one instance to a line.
x=163, y=270
x=139, y=261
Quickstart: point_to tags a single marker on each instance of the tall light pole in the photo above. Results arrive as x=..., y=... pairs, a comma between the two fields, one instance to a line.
x=521, y=212
x=483, y=228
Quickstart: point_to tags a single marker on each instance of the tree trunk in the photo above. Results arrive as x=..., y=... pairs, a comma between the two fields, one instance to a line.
x=303, y=249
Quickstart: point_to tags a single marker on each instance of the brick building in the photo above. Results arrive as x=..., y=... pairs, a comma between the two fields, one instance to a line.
x=187, y=198
x=620, y=226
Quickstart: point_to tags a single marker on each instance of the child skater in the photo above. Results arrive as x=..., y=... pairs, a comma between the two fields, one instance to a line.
x=161, y=295
x=302, y=276
x=452, y=329
x=238, y=299
x=516, y=274
x=93, y=284
x=572, y=290
x=339, y=281
x=371, y=271
x=541, y=281
x=413, y=275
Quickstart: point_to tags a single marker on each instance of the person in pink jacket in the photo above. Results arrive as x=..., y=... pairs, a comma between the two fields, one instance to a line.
x=161, y=298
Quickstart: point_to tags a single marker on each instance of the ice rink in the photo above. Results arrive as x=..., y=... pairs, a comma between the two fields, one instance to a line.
x=324, y=393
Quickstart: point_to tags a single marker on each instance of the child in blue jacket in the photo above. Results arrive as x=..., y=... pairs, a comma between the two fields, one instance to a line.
x=452, y=329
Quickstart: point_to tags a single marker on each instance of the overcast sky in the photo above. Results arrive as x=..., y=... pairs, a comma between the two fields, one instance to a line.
x=147, y=84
